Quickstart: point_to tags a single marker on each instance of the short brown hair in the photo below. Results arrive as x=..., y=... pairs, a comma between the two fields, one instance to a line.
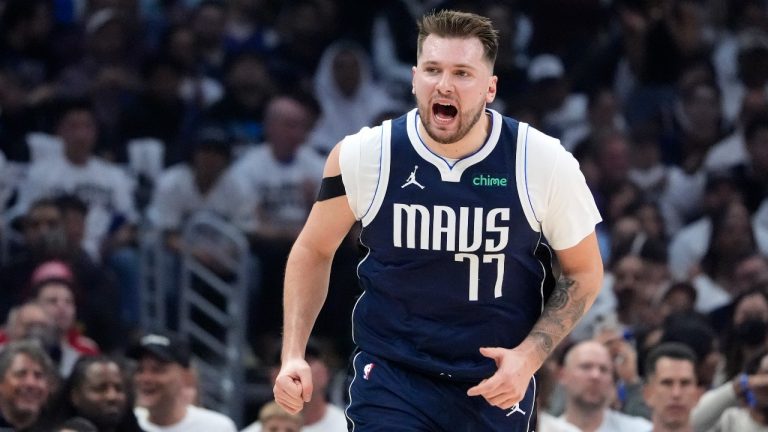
x=31, y=349
x=454, y=24
x=673, y=350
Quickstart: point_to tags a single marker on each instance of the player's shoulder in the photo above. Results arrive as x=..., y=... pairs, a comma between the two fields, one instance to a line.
x=362, y=148
x=530, y=139
x=538, y=143
x=365, y=137
x=539, y=152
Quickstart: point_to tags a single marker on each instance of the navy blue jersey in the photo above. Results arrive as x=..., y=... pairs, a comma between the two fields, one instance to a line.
x=453, y=264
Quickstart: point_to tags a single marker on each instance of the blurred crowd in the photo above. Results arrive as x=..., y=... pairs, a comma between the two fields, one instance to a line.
x=123, y=117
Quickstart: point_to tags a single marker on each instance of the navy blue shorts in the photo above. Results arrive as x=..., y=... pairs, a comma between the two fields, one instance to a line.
x=387, y=397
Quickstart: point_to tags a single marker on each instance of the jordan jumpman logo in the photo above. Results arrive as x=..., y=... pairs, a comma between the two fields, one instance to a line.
x=412, y=179
x=516, y=409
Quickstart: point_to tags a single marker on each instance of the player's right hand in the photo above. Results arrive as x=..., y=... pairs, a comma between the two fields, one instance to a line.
x=293, y=386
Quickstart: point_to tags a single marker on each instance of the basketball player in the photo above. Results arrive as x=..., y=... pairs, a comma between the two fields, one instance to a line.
x=460, y=307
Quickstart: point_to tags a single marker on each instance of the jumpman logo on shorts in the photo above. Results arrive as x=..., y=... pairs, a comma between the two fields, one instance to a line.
x=516, y=409
x=412, y=179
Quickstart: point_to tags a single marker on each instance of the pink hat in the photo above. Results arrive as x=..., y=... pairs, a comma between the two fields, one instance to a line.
x=52, y=270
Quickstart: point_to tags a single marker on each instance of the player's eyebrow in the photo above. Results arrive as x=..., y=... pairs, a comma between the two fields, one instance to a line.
x=457, y=65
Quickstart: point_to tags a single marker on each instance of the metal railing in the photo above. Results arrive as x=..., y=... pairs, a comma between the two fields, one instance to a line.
x=156, y=273
x=217, y=271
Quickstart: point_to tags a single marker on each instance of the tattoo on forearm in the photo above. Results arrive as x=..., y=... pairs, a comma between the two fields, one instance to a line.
x=545, y=341
x=560, y=314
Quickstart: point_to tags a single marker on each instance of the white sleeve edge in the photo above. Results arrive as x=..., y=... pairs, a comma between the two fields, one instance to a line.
x=521, y=177
x=384, y=137
x=349, y=165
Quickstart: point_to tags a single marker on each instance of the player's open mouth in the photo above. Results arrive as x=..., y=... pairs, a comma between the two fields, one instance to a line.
x=444, y=112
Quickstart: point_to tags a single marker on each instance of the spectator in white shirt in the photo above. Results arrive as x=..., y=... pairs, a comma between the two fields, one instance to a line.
x=106, y=190
x=740, y=405
x=205, y=184
x=282, y=176
x=103, y=186
x=587, y=377
x=283, y=173
x=164, y=363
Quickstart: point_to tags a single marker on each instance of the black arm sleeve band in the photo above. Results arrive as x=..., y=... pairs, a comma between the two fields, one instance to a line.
x=331, y=187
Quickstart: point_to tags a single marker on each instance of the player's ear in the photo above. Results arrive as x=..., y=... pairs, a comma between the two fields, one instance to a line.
x=491, y=95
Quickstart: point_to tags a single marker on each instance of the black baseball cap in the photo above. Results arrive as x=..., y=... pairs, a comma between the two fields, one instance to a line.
x=164, y=346
x=213, y=138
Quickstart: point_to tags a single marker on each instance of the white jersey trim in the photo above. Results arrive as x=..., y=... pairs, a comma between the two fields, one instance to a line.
x=553, y=192
x=384, y=164
x=521, y=177
x=452, y=172
x=533, y=404
x=349, y=391
x=364, y=159
x=543, y=268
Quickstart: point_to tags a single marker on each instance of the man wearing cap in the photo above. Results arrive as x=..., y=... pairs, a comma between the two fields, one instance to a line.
x=162, y=372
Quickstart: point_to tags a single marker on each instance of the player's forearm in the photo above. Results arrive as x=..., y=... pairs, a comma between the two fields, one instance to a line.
x=572, y=297
x=306, y=287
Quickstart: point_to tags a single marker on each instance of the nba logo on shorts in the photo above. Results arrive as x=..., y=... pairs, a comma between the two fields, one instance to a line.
x=367, y=370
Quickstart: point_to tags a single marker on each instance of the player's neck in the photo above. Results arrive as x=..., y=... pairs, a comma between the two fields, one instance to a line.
x=471, y=142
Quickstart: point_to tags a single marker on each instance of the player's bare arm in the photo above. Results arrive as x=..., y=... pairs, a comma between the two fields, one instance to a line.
x=306, y=287
x=574, y=294
x=572, y=297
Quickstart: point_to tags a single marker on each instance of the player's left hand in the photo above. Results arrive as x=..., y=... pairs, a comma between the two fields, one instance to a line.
x=508, y=385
